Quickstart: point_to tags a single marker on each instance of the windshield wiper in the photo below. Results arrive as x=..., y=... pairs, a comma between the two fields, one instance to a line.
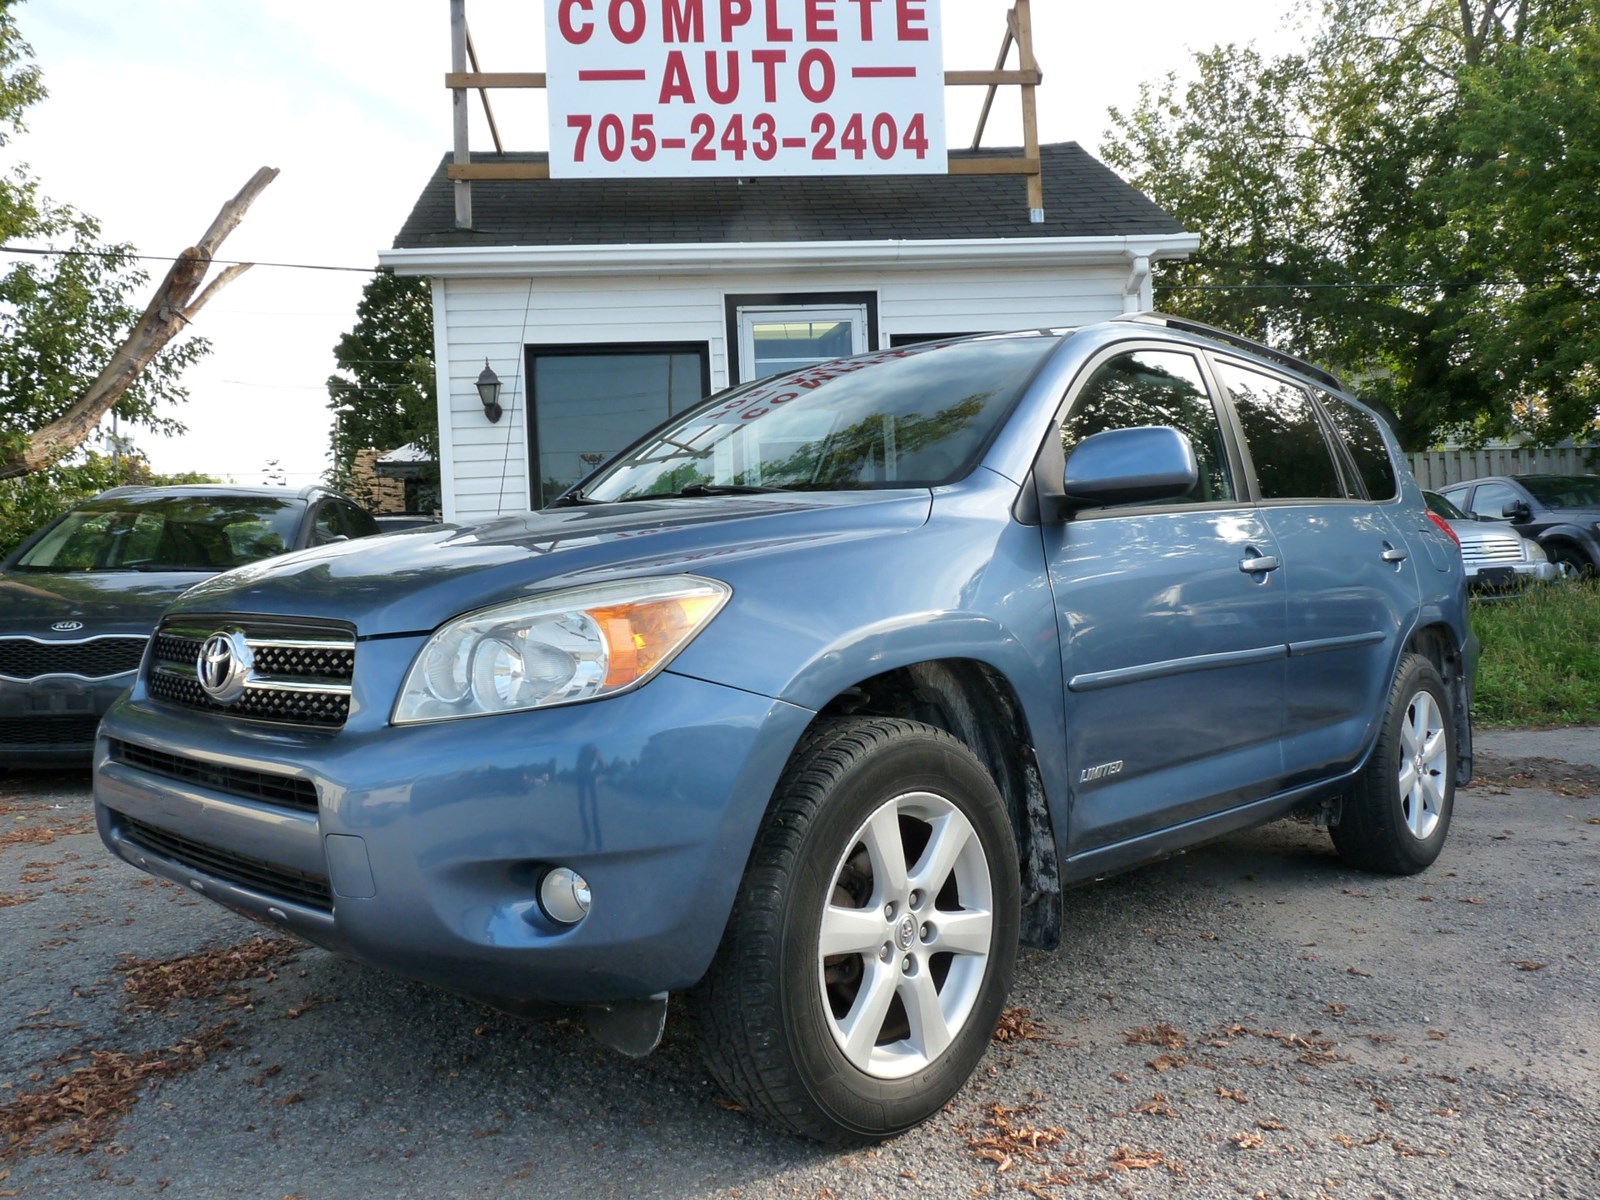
x=718, y=489
x=573, y=499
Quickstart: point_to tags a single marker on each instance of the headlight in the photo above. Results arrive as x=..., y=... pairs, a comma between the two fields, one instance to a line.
x=1533, y=551
x=558, y=648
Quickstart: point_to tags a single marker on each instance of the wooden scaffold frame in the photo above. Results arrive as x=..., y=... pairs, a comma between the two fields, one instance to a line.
x=466, y=77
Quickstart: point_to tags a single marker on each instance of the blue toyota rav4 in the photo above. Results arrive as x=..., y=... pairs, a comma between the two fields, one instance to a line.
x=812, y=702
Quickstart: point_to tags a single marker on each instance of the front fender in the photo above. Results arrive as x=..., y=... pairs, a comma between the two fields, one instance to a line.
x=968, y=585
x=1581, y=535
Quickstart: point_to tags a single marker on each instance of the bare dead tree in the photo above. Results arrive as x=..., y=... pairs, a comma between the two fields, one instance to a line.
x=175, y=304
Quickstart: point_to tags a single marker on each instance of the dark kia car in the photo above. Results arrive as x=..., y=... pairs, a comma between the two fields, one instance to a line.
x=78, y=599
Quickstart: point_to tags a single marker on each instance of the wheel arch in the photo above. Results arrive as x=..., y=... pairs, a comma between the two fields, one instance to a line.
x=1571, y=540
x=976, y=704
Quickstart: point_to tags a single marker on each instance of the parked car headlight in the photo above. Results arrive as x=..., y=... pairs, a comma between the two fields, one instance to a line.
x=558, y=648
x=1533, y=552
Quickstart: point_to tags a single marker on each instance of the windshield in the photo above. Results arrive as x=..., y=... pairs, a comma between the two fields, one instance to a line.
x=912, y=417
x=1564, y=491
x=1444, y=508
x=167, y=533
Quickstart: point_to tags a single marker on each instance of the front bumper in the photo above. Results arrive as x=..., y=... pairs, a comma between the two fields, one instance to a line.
x=1508, y=578
x=50, y=721
x=420, y=849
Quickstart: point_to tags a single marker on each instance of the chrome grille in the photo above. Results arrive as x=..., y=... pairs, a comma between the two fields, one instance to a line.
x=1490, y=551
x=265, y=787
x=301, y=675
x=270, y=880
x=92, y=658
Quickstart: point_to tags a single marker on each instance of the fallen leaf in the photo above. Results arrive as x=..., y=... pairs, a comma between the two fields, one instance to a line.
x=1156, y=1106
x=1523, y=964
x=1163, y=1035
x=1019, y=1025
x=1125, y=1158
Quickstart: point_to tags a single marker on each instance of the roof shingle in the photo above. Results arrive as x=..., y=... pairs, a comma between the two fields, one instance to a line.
x=1082, y=198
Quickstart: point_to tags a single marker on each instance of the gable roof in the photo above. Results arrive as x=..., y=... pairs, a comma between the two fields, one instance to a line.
x=1082, y=197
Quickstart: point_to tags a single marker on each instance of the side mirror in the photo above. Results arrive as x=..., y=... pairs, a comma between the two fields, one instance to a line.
x=1128, y=466
x=1517, y=511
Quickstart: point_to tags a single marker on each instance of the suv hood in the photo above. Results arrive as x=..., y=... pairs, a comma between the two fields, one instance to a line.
x=412, y=582
x=105, y=601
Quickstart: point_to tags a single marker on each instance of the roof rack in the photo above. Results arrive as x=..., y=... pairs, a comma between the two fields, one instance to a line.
x=1185, y=325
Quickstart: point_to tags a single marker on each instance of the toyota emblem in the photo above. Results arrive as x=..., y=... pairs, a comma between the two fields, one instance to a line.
x=224, y=665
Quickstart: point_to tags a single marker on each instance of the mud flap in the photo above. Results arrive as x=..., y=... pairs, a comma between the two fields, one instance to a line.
x=630, y=1027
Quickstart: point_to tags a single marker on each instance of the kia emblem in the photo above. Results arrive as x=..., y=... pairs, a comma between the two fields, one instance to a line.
x=67, y=626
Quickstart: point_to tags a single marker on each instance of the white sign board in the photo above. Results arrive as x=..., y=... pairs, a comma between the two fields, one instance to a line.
x=744, y=87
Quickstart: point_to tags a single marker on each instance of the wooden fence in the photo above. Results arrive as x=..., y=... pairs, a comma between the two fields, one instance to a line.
x=1440, y=468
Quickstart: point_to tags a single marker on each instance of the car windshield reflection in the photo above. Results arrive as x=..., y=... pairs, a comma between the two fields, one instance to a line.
x=914, y=417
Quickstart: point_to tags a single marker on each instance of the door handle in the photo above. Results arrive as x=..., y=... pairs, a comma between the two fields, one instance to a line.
x=1257, y=564
x=1394, y=554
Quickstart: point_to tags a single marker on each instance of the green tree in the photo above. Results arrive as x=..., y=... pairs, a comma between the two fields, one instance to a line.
x=1360, y=203
x=1525, y=205
x=62, y=314
x=20, y=88
x=383, y=397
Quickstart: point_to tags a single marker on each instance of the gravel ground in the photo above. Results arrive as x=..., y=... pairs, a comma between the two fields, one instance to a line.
x=1248, y=1019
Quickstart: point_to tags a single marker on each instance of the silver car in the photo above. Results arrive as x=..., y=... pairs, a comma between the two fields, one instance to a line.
x=1497, y=557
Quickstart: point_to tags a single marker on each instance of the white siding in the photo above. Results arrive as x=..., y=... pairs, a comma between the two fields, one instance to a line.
x=485, y=472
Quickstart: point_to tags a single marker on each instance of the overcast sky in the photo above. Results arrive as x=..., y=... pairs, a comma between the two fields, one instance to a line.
x=159, y=111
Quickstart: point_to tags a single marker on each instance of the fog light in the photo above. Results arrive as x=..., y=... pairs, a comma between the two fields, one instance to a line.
x=564, y=896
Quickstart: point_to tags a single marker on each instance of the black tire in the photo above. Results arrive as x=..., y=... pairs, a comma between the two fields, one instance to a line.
x=1389, y=827
x=772, y=1013
x=1570, y=561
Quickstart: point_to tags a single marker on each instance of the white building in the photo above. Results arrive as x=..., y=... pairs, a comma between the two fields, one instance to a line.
x=604, y=307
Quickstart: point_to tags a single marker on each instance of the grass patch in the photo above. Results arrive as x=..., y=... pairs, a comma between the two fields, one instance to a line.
x=1541, y=657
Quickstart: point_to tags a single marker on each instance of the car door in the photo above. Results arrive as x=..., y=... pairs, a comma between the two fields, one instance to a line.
x=1491, y=501
x=1349, y=575
x=1171, y=618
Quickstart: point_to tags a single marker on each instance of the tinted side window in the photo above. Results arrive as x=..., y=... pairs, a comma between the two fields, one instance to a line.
x=1364, y=440
x=1292, y=456
x=327, y=525
x=356, y=522
x=1155, y=387
x=1492, y=500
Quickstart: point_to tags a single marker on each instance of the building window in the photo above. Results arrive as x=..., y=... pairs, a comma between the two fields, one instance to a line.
x=588, y=402
x=897, y=340
x=770, y=334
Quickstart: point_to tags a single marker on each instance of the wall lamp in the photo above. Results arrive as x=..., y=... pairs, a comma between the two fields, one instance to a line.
x=489, y=392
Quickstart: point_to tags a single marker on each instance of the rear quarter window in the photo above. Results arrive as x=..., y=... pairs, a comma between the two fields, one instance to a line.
x=1370, y=453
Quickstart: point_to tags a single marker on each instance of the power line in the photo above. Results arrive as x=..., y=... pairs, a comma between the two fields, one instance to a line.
x=1167, y=287
x=1381, y=286
x=167, y=258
